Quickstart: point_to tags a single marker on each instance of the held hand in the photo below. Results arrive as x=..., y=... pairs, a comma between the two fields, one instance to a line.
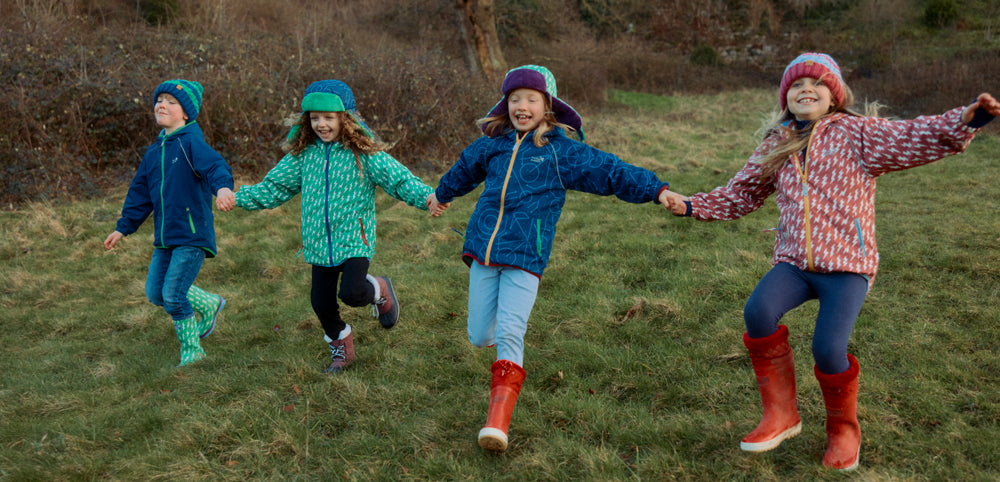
x=112, y=240
x=435, y=207
x=225, y=199
x=987, y=102
x=674, y=202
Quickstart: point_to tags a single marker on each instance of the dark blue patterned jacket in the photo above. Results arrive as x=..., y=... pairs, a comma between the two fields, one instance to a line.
x=525, y=188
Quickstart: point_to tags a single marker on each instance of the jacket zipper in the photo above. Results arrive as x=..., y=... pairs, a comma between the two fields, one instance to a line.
x=190, y=220
x=326, y=204
x=803, y=172
x=163, y=180
x=503, y=196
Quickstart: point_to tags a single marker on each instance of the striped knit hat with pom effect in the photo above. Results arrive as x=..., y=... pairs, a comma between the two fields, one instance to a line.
x=817, y=66
x=187, y=92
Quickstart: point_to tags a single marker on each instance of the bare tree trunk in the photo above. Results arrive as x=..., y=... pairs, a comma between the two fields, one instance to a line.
x=477, y=23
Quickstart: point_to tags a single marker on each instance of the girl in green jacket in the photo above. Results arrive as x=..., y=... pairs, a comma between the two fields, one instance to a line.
x=335, y=162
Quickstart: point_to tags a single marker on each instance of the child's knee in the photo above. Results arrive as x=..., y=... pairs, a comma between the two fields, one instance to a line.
x=356, y=296
x=481, y=340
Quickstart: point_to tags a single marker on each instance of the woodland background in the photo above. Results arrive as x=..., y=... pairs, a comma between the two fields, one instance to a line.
x=78, y=75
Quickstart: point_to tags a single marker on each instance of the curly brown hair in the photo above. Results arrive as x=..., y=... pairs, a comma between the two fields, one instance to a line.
x=352, y=135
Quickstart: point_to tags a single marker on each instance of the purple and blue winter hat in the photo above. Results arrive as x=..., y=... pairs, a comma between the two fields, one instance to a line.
x=541, y=79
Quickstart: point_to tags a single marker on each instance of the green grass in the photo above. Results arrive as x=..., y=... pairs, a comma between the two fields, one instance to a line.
x=635, y=364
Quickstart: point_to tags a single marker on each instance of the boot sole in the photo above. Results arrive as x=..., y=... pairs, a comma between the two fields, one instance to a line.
x=772, y=443
x=857, y=462
x=389, y=319
x=493, y=439
x=215, y=317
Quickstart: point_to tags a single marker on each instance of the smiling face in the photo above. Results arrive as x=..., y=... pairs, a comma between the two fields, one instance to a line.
x=808, y=99
x=169, y=113
x=326, y=125
x=526, y=108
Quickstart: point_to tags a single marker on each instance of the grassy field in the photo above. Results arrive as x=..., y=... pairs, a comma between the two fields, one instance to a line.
x=636, y=370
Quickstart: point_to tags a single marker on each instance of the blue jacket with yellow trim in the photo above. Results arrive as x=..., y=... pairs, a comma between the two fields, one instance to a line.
x=524, y=191
x=175, y=182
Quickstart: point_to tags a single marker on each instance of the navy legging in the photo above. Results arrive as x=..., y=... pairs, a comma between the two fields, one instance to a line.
x=355, y=290
x=840, y=298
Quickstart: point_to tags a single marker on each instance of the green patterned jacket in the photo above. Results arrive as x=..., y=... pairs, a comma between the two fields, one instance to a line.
x=338, y=202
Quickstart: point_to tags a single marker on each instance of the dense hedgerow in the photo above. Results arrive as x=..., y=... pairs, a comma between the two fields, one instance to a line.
x=78, y=75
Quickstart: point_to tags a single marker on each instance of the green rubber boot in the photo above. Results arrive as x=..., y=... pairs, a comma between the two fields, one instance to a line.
x=187, y=334
x=207, y=306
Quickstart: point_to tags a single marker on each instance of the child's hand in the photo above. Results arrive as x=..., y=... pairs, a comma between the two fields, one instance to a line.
x=987, y=102
x=674, y=202
x=112, y=240
x=435, y=207
x=225, y=199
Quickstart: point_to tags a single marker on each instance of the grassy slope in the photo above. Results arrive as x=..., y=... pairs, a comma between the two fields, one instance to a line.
x=634, y=359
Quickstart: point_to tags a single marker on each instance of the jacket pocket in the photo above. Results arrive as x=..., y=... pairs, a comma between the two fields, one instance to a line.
x=538, y=237
x=190, y=221
x=364, y=237
x=861, y=238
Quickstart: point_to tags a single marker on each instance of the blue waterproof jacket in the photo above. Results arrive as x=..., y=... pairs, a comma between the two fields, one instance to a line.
x=176, y=181
x=525, y=188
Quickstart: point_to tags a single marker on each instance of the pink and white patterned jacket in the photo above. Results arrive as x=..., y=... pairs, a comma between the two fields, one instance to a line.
x=827, y=200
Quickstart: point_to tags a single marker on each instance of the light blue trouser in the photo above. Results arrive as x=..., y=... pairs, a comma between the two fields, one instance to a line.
x=500, y=302
x=171, y=273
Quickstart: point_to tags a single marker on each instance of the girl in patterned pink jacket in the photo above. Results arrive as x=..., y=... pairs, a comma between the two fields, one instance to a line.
x=821, y=160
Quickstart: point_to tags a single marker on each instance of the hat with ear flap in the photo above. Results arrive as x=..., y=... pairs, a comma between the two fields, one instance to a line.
x=331, y=96
x=817, y=66
x=541, y=79
x=187, y=92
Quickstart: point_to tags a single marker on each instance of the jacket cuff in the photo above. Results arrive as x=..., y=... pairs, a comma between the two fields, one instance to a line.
x=664, y=187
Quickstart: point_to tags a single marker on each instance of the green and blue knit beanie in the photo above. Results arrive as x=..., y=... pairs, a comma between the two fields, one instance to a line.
x=187, y=92
x=330, y=96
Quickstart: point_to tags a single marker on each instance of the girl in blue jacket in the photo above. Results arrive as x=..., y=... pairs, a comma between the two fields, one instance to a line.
x=175, y=182
x=527, y=164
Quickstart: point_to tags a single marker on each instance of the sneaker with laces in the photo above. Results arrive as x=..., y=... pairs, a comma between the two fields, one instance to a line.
x=342, y=354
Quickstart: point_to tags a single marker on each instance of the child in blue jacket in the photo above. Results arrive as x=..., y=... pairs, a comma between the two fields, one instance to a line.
x=527, y=164
x=175, y=182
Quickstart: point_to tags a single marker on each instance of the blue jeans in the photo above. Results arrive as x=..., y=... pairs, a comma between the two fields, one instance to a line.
x=840, y=298
x=500, y=302
x=171, y=273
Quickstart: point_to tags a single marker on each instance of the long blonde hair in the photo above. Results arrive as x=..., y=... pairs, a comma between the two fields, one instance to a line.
x=352, y=135
x=497, y=125
x=793, y=141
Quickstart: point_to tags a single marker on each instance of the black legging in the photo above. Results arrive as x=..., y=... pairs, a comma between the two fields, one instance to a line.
x=355, y=290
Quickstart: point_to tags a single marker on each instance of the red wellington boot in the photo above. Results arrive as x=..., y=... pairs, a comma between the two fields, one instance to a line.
x=774, y=368
x=843, y=432
x=506, y=386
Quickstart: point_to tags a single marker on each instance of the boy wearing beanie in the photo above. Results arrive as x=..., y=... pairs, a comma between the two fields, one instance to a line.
x=175, y=182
